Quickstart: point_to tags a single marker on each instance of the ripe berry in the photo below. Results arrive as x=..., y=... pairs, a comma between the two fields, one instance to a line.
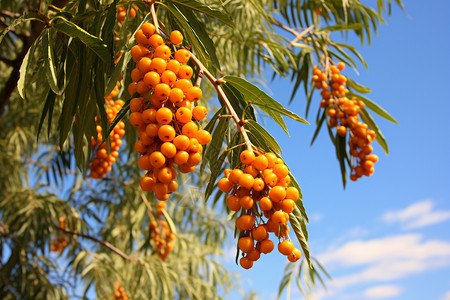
x=176, y=37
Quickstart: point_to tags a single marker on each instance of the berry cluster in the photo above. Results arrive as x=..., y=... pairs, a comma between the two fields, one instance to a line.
x=60, y=242
x=261, y=180
x=119, y=292
x=161, y=234
x=343, y=114
x=122, y=13
x=101, y=162
x=168, y=128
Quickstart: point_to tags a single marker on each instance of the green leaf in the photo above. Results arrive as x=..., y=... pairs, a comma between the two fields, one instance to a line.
x=357, y=87
x=50, y=61
x=194, y=5
x=267, y=104
x=319, y=124
x=27, y=16
x=122, y=112
x=215, y=146
x=367, y=118
x=262, y=138
x=91, y=41
x=340, y=27
x=341, y=155
x=21, y=88
x=48, y=108
x=295, y=219
x=374, y=107
x=215, y=172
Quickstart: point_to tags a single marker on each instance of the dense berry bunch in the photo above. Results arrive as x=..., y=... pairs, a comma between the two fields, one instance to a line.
x=343, y=114
x=101, y=162
x=119, y=292
x=168, y=128
x=161, y=234
x=122, y=13
x=60, y=241
x=258, y=188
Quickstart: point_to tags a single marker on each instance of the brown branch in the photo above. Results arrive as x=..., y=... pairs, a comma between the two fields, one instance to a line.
x=102, y=242
x=216, y=83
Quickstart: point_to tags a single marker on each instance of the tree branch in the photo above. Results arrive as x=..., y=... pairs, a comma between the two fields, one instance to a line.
x=216, y=83
x=102, y=242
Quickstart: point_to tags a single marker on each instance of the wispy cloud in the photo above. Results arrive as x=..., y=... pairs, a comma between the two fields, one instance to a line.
x=417, y=215
x=383, y=291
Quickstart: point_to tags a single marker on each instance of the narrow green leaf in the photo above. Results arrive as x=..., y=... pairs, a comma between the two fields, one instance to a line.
x=357, y=87
x=295, y=223
x=123, y=111
x=341, y=155
x=215, y=172
x=215, y=146
x=374, y=107
x=48, y=108
x=267, y=104
x=263, y=138
x=91, y=41
x=319, y=126
x=214, y=13
x=21, y=83
x=48, y=42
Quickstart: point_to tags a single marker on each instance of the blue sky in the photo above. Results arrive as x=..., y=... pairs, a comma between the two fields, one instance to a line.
x=387, y=236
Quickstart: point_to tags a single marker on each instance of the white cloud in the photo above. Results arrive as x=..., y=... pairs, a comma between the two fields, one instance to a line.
x=382, y=260
x=446, y=296
x=417, y=215
x=383, y=291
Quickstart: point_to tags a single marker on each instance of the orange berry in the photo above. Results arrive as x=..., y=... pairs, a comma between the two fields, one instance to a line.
x=173, y=65
x=164, y=175
x=254, y=255
x=341, y=66
x=189, y=129
x=271, y=159
x=247, y=157
x=173, y=186
x=138, y=51
x=292, y=193
x=158, y=65
x=144, y=65
x=140, y=147
x=246, y=263
x=183, y=84
x=185, y=72
x=176, y=95
x=132, y=88
x=235, y=175
x=277, y=193
x=183, y=115
x=225, y=185
x=278, y=217
x=287, y=205
x=181, y=142
x=258, y=185
x=176, y=37
x=146, y=183
x=182, y=56
x=148, y=29
x=261, y=162
x=136, y=119
x=270, y=178
x=168, y=77
x=152, y=129
x=199, y=112
x=265, y=204
x=168, y=149
x=152, y=79
x=162, y=51
x=141, y=38
x=144, y=162
x=136, y=74
x=149, y=115
x=194, y=93
x=155, y=40
x=245, y=222
x=246, y=202
x=157, y=159
x=181, y=158
x=373, y=158
x=194, y=159
x=281, y=170
x=259, y=233
x=160, y=188
x=142, y=88
x=285, y=247
x=266, y=246
x=246, y=181
x=233, y=203
x=166, y=133
x=136, y=104
x=164, y=115
x=203, y=137
x=246, y=244
x=294, y=255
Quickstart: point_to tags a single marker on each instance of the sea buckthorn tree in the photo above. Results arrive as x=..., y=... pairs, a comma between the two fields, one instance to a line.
x=131, y=141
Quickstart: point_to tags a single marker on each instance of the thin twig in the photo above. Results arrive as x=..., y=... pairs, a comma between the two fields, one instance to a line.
x=154, y=18
x=104, y=243
x=216, y=83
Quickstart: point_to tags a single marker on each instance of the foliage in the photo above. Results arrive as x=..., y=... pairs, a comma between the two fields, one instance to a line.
x=59, y=61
